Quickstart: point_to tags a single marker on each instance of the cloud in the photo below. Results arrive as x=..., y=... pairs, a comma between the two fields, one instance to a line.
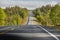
x=27, y=3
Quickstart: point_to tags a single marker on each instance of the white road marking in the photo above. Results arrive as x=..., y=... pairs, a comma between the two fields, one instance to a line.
x=7, y=28
x=4, y=28
x=50, y=33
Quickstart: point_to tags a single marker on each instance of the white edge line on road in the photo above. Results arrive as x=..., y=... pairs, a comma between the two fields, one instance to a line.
x=6, y=28
x=50, y=33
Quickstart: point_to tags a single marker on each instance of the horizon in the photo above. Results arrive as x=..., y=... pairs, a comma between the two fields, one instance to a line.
x=29, y=4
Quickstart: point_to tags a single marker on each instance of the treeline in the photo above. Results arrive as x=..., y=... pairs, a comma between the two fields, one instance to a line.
x=13, y=16
x=48, y=15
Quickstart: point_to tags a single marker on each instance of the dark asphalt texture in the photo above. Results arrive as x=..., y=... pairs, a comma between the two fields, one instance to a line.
x=28, y=29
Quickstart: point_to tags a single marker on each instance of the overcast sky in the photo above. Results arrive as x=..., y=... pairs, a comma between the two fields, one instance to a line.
x=30, y=4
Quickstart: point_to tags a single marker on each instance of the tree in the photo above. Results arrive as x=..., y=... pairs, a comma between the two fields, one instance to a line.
x=16, y=15
x=42, y=15
x=55, y=15
x=2, y=17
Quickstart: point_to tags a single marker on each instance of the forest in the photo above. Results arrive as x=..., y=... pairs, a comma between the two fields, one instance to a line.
x=48, y=15
x=13, y=16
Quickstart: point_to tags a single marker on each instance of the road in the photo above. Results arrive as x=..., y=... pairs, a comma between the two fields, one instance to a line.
x=31, y=19
x=31, y=31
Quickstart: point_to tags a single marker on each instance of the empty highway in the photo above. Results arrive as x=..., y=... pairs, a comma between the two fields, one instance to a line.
x=31, y=31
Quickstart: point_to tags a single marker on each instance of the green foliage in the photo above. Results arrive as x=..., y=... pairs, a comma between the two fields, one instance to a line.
x=13, y=16
x=55, y=15
x=2, y=17
x=42, y=14
x=47, y=15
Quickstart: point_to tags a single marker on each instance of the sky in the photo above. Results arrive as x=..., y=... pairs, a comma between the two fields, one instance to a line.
x=29, y=4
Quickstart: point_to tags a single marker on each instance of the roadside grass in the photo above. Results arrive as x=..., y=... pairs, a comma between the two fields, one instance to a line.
x=54, y=27
x=24, y=21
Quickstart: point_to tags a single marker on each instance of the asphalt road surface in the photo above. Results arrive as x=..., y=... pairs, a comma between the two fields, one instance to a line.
x=32, y=32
